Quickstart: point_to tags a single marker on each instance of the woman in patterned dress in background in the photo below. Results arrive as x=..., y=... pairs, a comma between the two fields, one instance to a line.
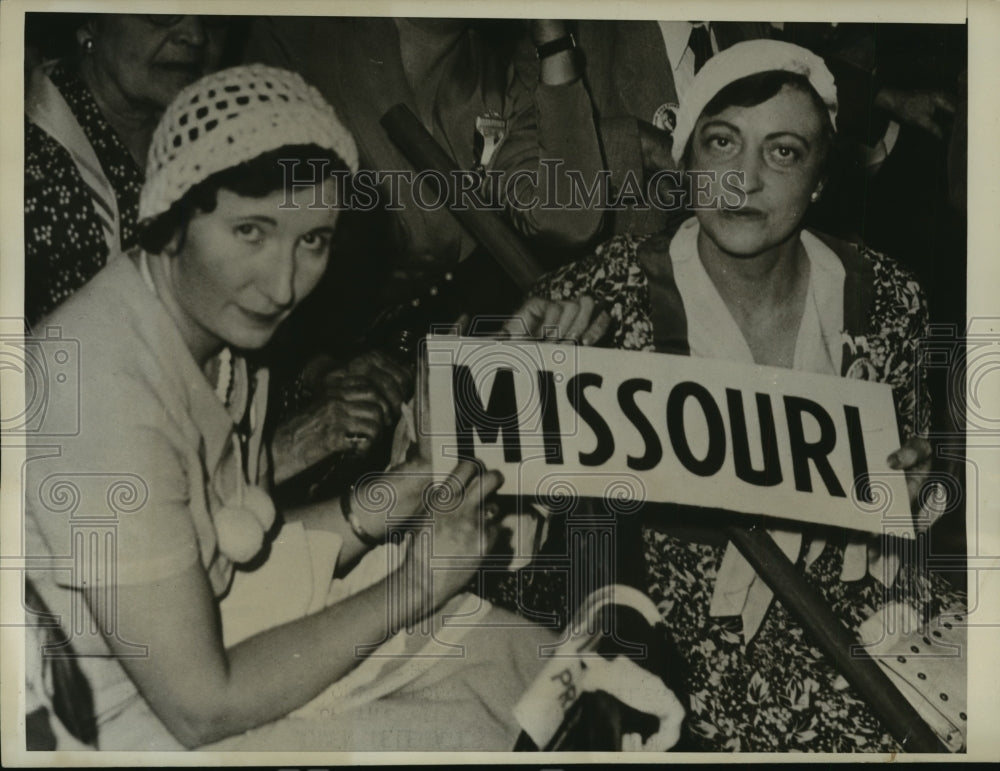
x=89, y=118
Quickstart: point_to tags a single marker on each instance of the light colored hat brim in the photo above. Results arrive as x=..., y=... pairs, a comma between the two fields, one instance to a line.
x=231, y=117
x=750, y=57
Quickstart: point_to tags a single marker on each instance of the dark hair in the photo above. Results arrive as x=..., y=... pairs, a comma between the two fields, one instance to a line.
x=53, y=34
x=255, y=178
x=758, y=88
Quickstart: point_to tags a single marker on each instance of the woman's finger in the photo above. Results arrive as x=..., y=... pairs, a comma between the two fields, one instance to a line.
x=362, y=391
x=934, y=500
x=457, y=482
x=367, y=396
x=597, y=329
x=553, y=312
x=913, y=452
x=374, y=411
x=491, y=529
x=400, y=376
x=370, y=404
x=389, y=391
x=464, y=472
x=340, y=380
x=359, y=425
x=527, y=319
x=489, y=482
x=569, y=310
x=475, y=488
x=394, y=380
x=585, y=309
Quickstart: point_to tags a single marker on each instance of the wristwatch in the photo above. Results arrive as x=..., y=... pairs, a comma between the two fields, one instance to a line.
x=553, y=47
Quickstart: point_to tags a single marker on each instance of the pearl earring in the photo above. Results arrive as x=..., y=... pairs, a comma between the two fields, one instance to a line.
x=815, y=196
x=88, y=45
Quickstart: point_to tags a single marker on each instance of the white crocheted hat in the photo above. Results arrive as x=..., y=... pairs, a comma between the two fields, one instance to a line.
x=750, y=57
x=230, y=117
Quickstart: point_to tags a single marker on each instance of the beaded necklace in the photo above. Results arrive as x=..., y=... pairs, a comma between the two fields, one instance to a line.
x=241, y=524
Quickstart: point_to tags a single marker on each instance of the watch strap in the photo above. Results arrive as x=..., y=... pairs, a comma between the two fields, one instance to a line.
x=553, y=47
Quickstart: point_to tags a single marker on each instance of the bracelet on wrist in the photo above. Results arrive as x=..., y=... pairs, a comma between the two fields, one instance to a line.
x=553, y=47
x=352, y=520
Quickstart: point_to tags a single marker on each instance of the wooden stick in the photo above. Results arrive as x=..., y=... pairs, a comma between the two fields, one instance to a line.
x=834, y=639
x=487, y=227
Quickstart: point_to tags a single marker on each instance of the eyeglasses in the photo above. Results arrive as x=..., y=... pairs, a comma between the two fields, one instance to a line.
x=166, y=20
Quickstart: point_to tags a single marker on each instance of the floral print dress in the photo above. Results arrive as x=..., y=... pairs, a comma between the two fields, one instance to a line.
x=777, y=692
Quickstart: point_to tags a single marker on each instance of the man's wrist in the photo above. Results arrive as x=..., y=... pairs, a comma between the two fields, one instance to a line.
x=556, y=46
x=559, y=62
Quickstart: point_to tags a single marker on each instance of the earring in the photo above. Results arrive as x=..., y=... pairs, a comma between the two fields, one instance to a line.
x=815, y=196
x=88, y=45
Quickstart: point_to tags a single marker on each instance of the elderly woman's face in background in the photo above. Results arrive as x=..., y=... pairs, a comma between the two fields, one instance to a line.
x=148, y=59
x=779, y=145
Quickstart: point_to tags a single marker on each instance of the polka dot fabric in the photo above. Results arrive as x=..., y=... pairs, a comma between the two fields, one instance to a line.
x=63, y=239
x=927, y=663
x=231, y=117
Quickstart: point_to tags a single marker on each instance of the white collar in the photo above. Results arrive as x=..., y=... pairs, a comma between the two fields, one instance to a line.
x=712, y=330
x=675, y=37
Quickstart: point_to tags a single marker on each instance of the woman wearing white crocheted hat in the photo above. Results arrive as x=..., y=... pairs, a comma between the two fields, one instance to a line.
x=744, y=280
x=169, y=470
